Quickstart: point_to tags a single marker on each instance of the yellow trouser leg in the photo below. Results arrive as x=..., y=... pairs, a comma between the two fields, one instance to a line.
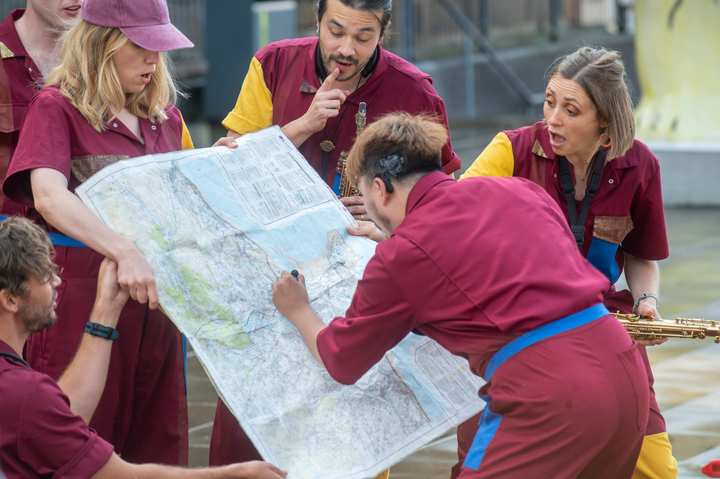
x=656, y=460
x=384, y=475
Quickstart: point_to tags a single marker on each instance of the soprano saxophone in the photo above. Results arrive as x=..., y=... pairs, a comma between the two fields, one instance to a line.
x=346, y=186
x=643, y=327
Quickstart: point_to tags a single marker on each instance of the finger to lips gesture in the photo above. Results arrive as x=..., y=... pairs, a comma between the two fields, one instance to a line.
x=326, y=103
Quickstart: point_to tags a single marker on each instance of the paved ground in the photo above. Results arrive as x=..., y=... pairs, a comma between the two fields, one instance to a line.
x=686, y=371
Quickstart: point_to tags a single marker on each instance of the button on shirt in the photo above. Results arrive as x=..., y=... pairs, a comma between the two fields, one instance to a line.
x=39, y=434
x=507, y=271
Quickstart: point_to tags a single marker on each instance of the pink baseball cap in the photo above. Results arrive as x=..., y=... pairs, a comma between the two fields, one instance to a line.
x=145, y=22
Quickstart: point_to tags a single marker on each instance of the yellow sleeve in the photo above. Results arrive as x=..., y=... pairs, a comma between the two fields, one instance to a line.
x=186, y=142
x=254, y=109
x=496, y=160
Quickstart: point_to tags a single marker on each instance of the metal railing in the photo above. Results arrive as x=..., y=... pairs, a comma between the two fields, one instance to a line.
x=426, y=30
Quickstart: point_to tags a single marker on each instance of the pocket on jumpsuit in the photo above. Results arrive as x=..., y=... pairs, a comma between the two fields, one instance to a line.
x=633, y=365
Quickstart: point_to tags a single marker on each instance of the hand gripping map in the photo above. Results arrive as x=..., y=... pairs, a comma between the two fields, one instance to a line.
x=218, y=226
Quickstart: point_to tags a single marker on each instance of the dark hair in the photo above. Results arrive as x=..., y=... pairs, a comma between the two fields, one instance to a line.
x=384, y=5
x=601, y=74
x=25, y=253
x=417, y=139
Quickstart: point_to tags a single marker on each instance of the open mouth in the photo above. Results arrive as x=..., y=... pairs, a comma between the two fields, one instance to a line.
x=73, y=10
x=556, y=140
x=343, y=65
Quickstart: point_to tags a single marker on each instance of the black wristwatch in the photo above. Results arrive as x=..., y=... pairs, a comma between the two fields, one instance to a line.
x=102, y=331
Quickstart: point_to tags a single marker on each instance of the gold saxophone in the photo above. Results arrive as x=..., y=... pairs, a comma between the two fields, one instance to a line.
x=346, y=186
x=643, y=327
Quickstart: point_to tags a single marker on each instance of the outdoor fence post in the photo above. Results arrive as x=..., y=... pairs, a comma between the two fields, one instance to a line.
x=554, y=20
x=408, y=29
x=469, y=77
x=485, y=18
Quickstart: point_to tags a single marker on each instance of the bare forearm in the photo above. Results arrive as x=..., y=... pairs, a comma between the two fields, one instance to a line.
x=84, y=379
x=297, y=132
x=116, y=468
x=67, y=213
x=643, y=277
x=157, y=471
x=309, y=325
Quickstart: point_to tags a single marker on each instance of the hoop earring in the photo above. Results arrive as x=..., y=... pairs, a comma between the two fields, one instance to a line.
x=609, y=140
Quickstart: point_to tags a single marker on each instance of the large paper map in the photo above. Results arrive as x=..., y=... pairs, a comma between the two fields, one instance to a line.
x=218, y=226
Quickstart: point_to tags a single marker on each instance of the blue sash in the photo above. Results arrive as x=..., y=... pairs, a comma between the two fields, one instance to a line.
x=545, y=331
x=490, y=421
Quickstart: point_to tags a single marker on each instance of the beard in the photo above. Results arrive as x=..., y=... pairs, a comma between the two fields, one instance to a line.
x=381, y=220
x=36, y=317
x=343, y=76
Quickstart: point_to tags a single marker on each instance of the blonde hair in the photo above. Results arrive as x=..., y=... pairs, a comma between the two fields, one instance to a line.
x=87, y=77
x=418, y=139
x=601, y=74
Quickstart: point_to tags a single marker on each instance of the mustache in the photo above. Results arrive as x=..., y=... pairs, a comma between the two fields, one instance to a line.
x=342, y=58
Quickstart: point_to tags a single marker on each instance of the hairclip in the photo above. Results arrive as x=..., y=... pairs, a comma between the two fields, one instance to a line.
x=393, y=165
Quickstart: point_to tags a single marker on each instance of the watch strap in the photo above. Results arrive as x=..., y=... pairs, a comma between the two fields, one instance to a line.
x=102, y=331
x=643, y=296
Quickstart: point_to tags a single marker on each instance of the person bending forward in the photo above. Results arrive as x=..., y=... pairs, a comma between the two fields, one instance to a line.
x=567, y=391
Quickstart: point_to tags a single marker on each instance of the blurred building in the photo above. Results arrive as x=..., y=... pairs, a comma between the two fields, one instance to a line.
x=525, y=34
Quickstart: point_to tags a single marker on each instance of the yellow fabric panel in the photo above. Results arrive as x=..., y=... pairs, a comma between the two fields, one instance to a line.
x=656, y=460
x=496, y=159
x=5, y=52
x=384, y=475
x=187, y=143
x=254, y=109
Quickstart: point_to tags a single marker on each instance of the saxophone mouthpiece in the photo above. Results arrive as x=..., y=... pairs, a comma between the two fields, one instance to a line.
x=363, y=108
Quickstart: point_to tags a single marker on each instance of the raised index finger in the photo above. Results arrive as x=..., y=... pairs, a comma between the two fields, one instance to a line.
x=327, y=84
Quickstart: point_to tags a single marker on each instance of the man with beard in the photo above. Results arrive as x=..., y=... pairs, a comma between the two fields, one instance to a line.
x=312, y=88
x=29, y=50
x=43, y=424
